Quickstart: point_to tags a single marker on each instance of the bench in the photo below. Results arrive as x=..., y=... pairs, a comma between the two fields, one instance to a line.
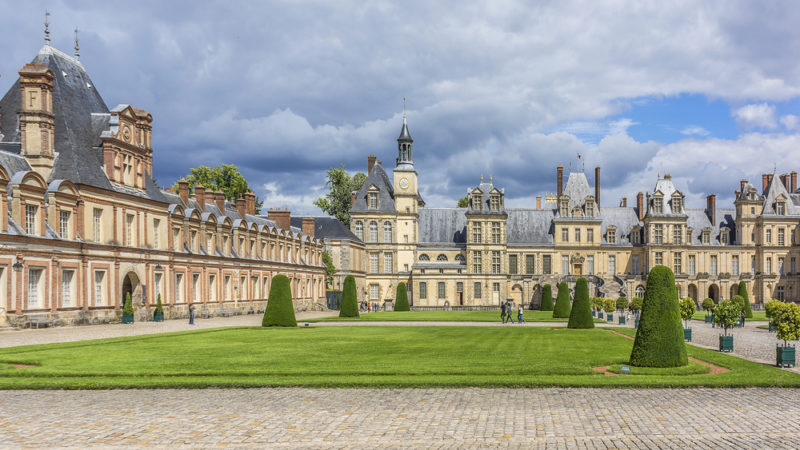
x=205, y=313
x=227, y=312
x=41, y=320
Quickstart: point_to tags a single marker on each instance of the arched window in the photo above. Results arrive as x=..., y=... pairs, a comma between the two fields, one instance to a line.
x=442, y=258
x=640, y=291
x=360, y=230
x=424, y=258
x=387, y=231
x=460, y=259
x=373, y=231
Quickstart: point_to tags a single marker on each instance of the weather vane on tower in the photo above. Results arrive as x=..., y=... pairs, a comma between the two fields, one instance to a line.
x=77, y=47
x=46, y=28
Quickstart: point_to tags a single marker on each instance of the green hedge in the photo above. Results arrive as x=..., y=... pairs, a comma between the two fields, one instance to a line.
x=562, y=308
x=159, y=306
x=581, y=314
x=128, y=307
x=547, y=298
x=349, y=299
x=280, y=309
x=748, y=310
x=659, y=339
x=401, y=299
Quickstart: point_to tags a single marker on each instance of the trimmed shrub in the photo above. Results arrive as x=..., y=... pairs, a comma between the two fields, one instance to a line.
x=401, y=299
x=609, y=305
x=787, y=323
x=636, y=303
x=772, y=309
x=128, y=308
x=581, y=314
x=598, y=302
x=562, y=308
x=739, y=301
x=748, y=310
x=687, y=310
x=708, y=304
x=349, y=299
x=159, y=307
x=622, y=303
x=547, y=298
x=659, y=339
x=727, y=314
x=280, y=309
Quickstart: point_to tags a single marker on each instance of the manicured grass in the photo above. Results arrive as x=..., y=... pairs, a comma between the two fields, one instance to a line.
x=692, y=369
x=757, y=315
x=444, y=316
x=357, y=357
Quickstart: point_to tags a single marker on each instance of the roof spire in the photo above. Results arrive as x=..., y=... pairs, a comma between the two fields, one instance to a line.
x=46, y=28
x=404, y=110
x=77, y=47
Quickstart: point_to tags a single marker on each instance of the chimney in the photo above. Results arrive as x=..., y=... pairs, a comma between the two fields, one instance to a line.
x=559, y=180
x=597, y=187
x=378, y=162
x=241, y=207
x=308, y=226
x=764, y=182
x=281, y=217
x=742, y=182
x=711, y=208
x=769, y=177
x=352, y=198
x=538, y=202
x=183, y=191
x=200, y=196
x=219, y=198
x=785, y=181
x=793, y=184
x=36, y=120
x=640, y=205
x=370, y=163
x=624, y=202
x=250, y=205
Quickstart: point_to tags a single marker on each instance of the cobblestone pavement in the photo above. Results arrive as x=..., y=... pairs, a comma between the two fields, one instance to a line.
x=429, y=418
x=12, y=337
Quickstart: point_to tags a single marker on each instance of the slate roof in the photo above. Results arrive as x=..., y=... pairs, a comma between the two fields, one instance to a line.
x=530, y=226
x=442, y=225
x=328, y=228
x=774, y=190
x=698, y=220
x=378, y=178
x=577, y=188
x=623, y=218
x=667, y=188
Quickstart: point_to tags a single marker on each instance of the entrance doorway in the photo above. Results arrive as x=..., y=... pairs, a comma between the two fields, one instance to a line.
x=132, y=286
x=713, y=293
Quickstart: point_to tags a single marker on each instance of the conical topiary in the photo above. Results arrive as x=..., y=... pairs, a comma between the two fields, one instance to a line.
x=349, y=299
x=547, y=298
x=158, y=314
x=280, y=309
x=659, y=339
x=562, y=308
x=748, y=311
x=128, y=308
x=401, y=299
x=581, y=314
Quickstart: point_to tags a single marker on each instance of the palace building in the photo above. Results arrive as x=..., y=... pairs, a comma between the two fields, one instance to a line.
x=487, y=253
x=83, y=224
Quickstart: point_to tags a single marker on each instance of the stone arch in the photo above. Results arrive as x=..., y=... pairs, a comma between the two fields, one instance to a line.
x=734, y=290
x=639, y=291
x=713, y=293
x=131, y=284
x=692, y=291
x=516, y=294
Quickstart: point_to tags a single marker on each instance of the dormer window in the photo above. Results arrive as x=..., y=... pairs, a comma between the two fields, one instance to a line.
x=611, y=235
x=589, y=207
x=751, y=195
x=677, y=204
x=705, y=237
x=689, y=236
x=658, y=205
x=724, y=236
x=577, y=212
x=780, y=208
x=564, y=208
x=494, y=203
x=372, y=198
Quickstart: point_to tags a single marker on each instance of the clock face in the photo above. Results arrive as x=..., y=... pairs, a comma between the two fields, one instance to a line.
x=126, y=134
x=404, y=183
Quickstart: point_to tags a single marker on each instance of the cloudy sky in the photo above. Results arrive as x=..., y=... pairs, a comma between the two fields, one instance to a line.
x=285, y=90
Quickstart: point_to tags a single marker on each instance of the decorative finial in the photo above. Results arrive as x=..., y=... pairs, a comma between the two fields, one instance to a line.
x=491, y=179
x=404, y=110
x=77, y=47
x=481, y=178
x=46, y=28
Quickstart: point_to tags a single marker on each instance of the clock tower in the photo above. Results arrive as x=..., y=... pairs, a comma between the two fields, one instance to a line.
x=406, y=199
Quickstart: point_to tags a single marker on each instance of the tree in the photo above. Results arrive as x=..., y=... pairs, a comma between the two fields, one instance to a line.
x=581, y=314
x=280, y=309
x=349, y=298
x=659, y=340
x=463, y=202
x=330, y=269
x=727, y=314
x=339, y=200
x=708, y=304
x=739, y=301
x=787, y=323
x=562, y=308
x=609, y=305
x=598, y=303
x=547, y=298
x=225, y=178
x=622, y=303
x=636, y=303
x=748, y=310
x=401, y=298
x=159, y=311
x=687, y=310
x=128, y=307
x=772, y=309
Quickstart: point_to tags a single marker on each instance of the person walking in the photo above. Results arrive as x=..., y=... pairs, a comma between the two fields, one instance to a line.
x=520, y=319
x=510, y=312
x=191, y=314
x=503, y=312
x=743, y=316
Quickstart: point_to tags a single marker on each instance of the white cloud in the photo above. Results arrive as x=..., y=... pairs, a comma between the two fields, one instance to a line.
x=791, y=122
x=761, y=115
x=694, y=130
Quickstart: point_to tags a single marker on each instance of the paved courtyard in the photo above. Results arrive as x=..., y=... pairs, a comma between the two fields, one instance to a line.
x=423, y=418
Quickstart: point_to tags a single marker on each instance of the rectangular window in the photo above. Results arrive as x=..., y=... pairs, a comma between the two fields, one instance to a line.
x=577, y=234
x=780, y=266
x=373, y=200
x=781, y=237
x=476, y=290
x=495, y=232
x=441, y=293
x=753, y=265
x=769, y=236
x=677, y=265
x=477, y=263
x=658, y=205
x=547, y=265
x=794, y=265
x=495, y=262
x=176, y=240
x=590, y=235
x=612, y=265
x=157, y=284
x=735, y=265
x=723, y=236
x=713, y=270
x=769, y=266
x=66, y=287
x=193, y=240
x=611, y=236
x=227, y=288
x=178, y=287
x=529, y=264
x=373, y=263
x=388, y=266
x=677, y=234
x=565, y=265
x=30, y=219
x=99, y=292
x=156, y=233
x=659, y=258
x=129, y=230
x=692, y=261
x=590, y=265
x=512, y=264
x=374, y=292
x=564, y=235
x=195, y=287
x=494, y=203
x=635, y=264
x=780, y=293
x=34, y=275
x=63, y=222
x=477, y=232
x=658, y=233
x=706, y=237
x=423, y=290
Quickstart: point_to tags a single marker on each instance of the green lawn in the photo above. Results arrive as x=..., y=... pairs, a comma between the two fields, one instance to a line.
x=445, y=316
x=358, y=357
x=757, y=315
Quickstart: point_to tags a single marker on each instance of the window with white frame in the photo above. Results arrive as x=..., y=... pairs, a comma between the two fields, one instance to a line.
x=388, y=263
x=129, y=230
x=359, y=228
x=156, y=233
x=67, y=293
x=494, y=202
x=34, y=288
x=63, y=224
x=477, y=233
x=590, y=236
x=477, y=201
x=706, y=237
x=564, y=234
x=178, y=287
x=547, y=268
x=677, y=234
x=658, y=205
x=373, y=231
x=477, y=262
x=212, y=287
x=495, y=232
x=713, y=269
x=373, y=200
x=768, y=268
x=577, y=234
x=387, y=232
x=780, y=266
x=677, y=263
x=374, y=292
x=441, y=290
x=781, y=237
x=612, y=265
x=495, y=262
x=423, y=290
x=30, y=219
x=373, y=263
x=735, y=265
x=677, y=204
x=565, y=265
x=658, y=233
x=99, y=287
x=692, y=262
x=659, y=256
x=590, y=265
x=611, y=235
x=769, y=236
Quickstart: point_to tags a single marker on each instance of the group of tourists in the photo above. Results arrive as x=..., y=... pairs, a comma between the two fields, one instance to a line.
x=369, y=307
x=507, y=313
